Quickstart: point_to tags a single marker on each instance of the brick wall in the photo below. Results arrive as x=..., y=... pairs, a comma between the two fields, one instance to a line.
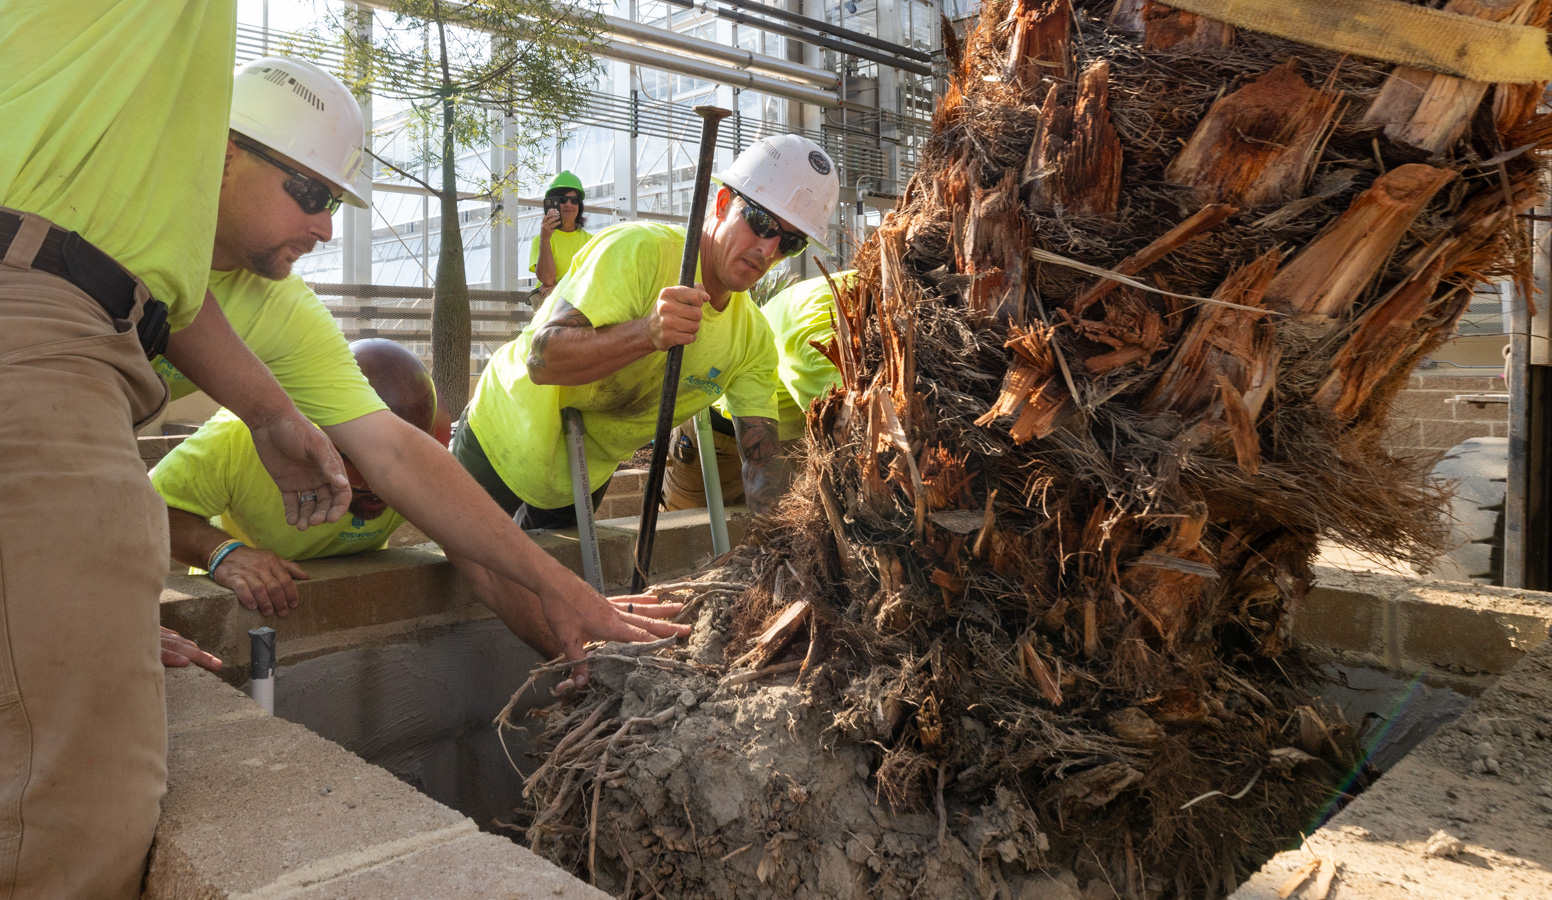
x=1426, y=417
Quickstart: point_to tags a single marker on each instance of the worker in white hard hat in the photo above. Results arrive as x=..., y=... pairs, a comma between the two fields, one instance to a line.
x=294, y=152
x=802, y=318
x=598, y=343
x=112, y=122
x=561, y=233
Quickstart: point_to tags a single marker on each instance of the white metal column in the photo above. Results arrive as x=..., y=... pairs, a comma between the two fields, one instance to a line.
x=356, y=224
x=505, y=259
x=625, y=150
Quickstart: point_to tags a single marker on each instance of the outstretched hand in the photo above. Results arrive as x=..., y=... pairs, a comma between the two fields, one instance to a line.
x=577, y=614
x=178, y=651
x=306, y=468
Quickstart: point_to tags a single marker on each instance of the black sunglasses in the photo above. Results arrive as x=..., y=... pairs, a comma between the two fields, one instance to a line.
x=764, y=224
x=312, y=195
x=573, y=199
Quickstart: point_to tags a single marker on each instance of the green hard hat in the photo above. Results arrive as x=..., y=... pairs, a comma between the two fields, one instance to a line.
x=567, y=180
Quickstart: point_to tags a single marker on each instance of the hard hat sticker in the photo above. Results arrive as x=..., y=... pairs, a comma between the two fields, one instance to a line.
x=819, y=161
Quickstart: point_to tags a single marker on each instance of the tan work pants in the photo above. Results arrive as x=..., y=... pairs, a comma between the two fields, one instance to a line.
x=83, y=552
x=683, y=486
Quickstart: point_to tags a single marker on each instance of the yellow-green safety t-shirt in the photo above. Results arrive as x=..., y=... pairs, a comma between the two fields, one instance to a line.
x=216, y=473
x=803, y=312
x=113, y=121
x=290, y=330
x=615, y=279
x=563, y=246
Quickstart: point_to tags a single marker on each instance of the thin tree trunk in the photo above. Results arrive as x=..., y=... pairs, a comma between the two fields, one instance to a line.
x=450, y=329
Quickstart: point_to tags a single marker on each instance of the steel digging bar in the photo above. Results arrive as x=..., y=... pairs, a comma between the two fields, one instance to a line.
x=710, y=117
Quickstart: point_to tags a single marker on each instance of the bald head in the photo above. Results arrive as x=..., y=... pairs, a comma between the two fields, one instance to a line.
x=399, y=379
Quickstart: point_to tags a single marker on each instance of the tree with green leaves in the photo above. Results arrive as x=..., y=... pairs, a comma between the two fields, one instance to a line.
x=465, y=70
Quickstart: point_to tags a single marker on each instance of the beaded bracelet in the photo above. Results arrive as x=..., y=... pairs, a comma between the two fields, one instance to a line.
x=221, y=553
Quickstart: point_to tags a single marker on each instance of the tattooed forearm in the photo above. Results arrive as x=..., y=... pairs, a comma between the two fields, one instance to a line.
x=536, y=347
x=765, y=468
x=563, y=316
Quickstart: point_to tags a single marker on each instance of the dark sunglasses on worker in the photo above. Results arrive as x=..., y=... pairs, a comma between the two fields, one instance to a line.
x=764, y=224
x=312, y=195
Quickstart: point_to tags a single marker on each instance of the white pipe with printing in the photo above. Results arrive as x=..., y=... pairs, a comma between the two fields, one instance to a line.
x=712, y=476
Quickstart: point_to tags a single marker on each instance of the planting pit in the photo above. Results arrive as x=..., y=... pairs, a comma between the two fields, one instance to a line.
x=390, y=658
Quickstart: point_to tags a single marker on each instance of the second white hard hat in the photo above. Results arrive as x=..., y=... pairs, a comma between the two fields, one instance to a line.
x=293, y=107
x=792, y=177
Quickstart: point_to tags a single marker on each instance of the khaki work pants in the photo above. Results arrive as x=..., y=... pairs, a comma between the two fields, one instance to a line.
x=683, y=486
x=83, y=553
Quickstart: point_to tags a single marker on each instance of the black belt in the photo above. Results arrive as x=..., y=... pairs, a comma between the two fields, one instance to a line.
x=74, y=258
x=721, y=424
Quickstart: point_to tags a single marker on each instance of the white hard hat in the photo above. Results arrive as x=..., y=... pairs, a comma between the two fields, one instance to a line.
x=295, y=108
x=792, y=177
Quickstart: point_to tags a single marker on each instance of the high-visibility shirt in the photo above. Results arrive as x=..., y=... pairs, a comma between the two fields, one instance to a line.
x=616, y=278
x=802, y=313
x=290, y=330
x=113, y=118
x=216, y=474
x=563, y=246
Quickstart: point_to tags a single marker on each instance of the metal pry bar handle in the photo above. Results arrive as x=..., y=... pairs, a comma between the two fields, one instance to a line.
x=581, y=497
x=710, y=117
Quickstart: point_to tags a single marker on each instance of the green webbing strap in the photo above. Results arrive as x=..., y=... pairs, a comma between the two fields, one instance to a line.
x=1396, y=32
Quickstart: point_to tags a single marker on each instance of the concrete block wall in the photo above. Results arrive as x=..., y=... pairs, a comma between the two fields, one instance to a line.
x=352, y=601
x=1453, y=782
x=259, y=807
x=624, y=497
x=1459, y=634
x=1426, y=418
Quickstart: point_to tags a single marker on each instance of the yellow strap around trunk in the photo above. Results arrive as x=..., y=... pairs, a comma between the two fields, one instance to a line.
x=1395, y=32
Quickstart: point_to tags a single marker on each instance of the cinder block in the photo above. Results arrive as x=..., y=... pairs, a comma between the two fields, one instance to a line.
x=683, y=541
x=479, y=865
x=1480, y=412
x=197, y=698
x=249, y=802
x=1463, y=637
x=1404, y=433
x=1418, y=404
x=368, y=590
x=617, y=507
x=1461, y=384
x=407, y=535
x=1442, y=435
x=1342, y=619
x=262, y=807
x=628, y=480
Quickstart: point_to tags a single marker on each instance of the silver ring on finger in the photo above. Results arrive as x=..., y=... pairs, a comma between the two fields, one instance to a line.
x=307, y=497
